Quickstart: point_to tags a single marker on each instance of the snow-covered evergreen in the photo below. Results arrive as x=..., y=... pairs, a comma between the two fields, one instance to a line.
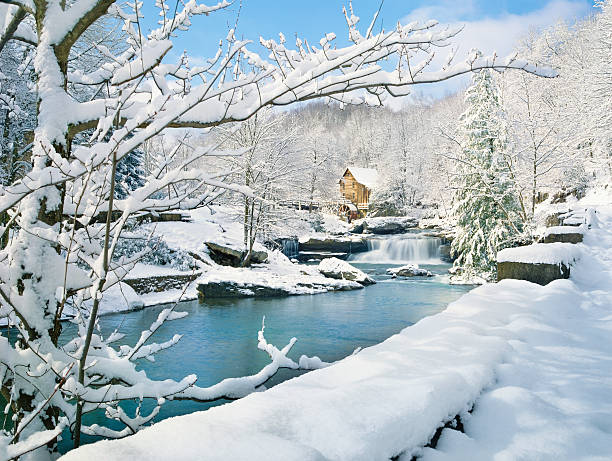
x=486, y=207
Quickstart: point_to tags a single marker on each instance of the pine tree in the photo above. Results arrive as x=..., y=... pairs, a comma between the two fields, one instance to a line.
x=130, y=174
x=485, y=206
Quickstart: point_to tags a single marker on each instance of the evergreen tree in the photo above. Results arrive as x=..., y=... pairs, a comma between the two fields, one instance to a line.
x=485, y=206
x=130, y=174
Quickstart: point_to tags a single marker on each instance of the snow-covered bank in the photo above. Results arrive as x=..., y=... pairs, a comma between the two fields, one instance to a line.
x=552, y=399
x=188, y=239
x=533, y=361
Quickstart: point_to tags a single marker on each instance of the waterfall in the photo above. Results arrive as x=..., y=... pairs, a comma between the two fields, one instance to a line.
x=404, y=249
x=290, y=247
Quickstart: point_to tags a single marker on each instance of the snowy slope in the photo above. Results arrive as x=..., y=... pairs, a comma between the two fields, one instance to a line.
x=533, y=361
x=552, y=398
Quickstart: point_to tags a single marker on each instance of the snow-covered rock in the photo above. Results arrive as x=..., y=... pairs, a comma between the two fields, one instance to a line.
x=562, y=234
x=384, y=225
x=538, y=263
x=337, y=269
x=227, y=256
x=542, y=253
x=410, y=270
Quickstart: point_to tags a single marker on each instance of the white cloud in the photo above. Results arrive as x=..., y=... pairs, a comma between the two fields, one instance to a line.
x=499, y=34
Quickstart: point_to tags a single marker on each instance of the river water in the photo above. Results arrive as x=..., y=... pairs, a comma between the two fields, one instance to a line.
x=220, y=336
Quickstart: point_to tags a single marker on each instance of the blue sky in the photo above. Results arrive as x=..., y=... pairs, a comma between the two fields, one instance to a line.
x=489, y=25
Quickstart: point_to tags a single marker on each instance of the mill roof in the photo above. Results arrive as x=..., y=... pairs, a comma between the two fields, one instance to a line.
x=366, y=176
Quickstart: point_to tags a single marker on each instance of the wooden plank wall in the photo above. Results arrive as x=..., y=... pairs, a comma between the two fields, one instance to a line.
x=354, y=191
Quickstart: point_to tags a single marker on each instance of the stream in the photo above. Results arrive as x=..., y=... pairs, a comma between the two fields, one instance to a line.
x=220, y=336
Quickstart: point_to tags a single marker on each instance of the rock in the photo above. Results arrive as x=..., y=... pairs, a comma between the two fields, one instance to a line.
x=445, y=253
x=563, y=234
x=259, y=257
x=356, y=228
x=541, y=274
x=553, y=220
x=236, y=290
x=562, y=195
x=410, y=270
x=160, y=283
x=337, y=269
x=384, y=226
x=329, y=244
x=227, y=256
x=446, y=236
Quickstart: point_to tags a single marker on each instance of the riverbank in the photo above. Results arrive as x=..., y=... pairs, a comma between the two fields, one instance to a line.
x=526, y=367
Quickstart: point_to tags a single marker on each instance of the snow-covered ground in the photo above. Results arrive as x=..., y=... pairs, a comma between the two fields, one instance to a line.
x=532, y=362
x=218, y=224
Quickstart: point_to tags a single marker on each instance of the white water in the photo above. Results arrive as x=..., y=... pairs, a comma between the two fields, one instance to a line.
x=402, y=250
x=290, y=247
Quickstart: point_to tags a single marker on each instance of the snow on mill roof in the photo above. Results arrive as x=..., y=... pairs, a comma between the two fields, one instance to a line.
x=366, y=176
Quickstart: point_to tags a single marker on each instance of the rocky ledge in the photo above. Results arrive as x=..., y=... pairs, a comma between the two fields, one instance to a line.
x=319, y=247
x=237, y=289
x=232, y=289
x=384, y=225
x=159, y=283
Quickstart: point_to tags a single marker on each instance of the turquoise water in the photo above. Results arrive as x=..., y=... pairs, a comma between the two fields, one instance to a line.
x=220, y=336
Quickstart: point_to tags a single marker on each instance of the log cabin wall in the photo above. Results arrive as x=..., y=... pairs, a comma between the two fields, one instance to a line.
x=352, y=190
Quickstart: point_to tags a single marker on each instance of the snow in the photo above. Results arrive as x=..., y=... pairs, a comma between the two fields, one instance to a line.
x=531, y=361
x=149, y=270
x=366, y=176
x=556, y=230
x=118, y=298
x=173, y=295
x=543, y=253
x=210, y=224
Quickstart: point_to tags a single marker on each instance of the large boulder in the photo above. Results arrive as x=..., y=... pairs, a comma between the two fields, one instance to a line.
x=226, y=256
x=337, y=269
x=410, y=270
x=538, y=263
